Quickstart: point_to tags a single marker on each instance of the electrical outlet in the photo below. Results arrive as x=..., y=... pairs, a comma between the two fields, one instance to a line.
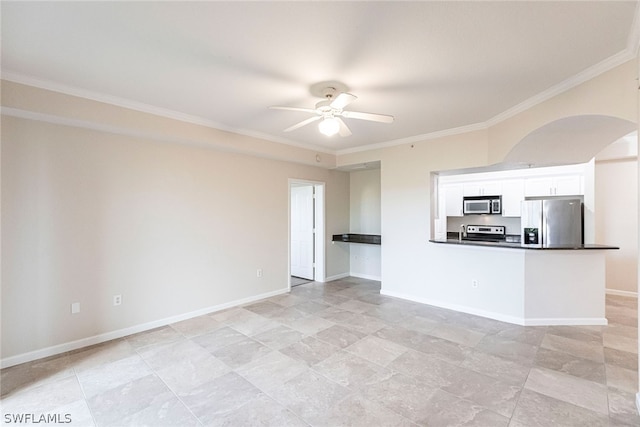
x=474, y=283
x=117, y=299
x=75, y=308
x=259, y=272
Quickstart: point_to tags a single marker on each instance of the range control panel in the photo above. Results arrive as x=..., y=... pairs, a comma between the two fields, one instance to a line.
x=486, y=229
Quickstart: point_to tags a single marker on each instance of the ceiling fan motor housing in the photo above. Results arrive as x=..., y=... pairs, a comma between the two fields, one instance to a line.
x=330, y=110
x=324, y=106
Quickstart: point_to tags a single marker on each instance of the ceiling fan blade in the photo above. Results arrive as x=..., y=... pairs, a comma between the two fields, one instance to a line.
x=306, y=110
x=344, y=129
x=302, y=123
x=382, y=118
x=342, y=100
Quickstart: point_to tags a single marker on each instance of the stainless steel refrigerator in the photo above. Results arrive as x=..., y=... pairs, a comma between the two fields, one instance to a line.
x=551, y=223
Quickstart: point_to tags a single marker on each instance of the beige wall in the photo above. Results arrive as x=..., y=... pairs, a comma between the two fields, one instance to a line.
x=365, y=218
x=617, y=221
x=365, y=201
x=173, y=228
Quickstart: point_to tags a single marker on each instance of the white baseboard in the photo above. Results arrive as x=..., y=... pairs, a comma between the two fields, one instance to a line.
x=455, y=307
x=500, y=316
x=108, y=336
x=638, y=402
x=621, y=293
x=365, y=276
x=567, y=321
x=336, y=277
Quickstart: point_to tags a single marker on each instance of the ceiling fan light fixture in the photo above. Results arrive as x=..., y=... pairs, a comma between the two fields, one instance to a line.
x=330, y=111
x=329, y=126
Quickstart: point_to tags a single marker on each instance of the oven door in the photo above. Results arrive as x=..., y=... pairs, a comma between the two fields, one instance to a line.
x=481, y=206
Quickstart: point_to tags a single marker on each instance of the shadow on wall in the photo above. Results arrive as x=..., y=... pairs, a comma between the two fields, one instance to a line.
x=575, y=139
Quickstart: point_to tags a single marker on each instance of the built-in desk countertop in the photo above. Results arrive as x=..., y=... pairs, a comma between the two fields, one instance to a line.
x=369, y=239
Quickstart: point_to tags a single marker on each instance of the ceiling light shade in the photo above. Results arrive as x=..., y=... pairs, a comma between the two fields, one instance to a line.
x=329, y=126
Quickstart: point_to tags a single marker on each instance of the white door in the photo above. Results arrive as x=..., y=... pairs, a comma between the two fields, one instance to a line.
x=302, y=244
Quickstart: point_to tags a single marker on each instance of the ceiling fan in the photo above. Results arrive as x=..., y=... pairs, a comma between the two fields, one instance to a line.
x=331, y=110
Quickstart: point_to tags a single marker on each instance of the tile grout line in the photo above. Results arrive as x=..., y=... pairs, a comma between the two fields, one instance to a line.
x=84, y=395
x=163, y=382
x=522, y=388
x=273, y=398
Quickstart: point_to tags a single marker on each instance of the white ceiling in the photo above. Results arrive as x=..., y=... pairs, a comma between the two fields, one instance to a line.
x=435, y=66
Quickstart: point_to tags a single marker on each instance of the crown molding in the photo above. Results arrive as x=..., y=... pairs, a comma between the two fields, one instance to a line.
x=613, y=61
x=633, y=42
x=414, y=139
x=150, y=109
x=83, y=124
x=585, y=75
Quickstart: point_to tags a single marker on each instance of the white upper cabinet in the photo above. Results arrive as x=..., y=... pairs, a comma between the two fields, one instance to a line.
x=513, y=185
x=542, y=186
x=482, y=188
x=512, y=196
x=560, y=185
x=569, y=185
x=453, y=199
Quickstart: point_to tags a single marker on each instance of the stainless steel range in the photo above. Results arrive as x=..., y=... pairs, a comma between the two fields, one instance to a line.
x=485, y=233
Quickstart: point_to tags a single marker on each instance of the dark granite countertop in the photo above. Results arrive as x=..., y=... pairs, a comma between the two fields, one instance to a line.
x=517, y=245
x=370, y=239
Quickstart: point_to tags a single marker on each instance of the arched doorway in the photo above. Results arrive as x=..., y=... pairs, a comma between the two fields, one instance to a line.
x=575, y=139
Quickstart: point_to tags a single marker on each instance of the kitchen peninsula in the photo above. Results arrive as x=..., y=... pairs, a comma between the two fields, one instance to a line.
x=502, y=277
x=531, y=286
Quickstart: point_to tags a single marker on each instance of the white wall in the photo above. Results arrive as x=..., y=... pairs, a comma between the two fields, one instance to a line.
x=617, y=222
x=412, y=266
x=365, y=219
x=175, y=229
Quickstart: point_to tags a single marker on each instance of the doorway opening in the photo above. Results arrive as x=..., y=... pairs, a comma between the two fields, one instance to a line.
x=306, y=232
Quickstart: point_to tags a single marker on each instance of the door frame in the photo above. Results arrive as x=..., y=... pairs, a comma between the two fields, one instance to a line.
x=319, y=226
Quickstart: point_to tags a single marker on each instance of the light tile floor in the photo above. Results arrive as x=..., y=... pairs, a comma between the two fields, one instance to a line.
x=341, y=354
x=297, y=281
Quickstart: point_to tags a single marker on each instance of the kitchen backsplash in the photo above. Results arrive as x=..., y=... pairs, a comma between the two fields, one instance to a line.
x=512, y=224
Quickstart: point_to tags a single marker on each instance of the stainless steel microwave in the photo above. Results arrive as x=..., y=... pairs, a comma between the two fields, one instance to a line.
x=475, y=205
